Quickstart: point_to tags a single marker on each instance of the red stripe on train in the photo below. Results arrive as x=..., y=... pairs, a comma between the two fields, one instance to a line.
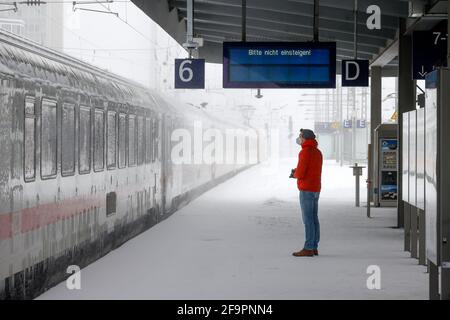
x=34, y=218
x=50, y=213
x=37, y=217
x=5, y=226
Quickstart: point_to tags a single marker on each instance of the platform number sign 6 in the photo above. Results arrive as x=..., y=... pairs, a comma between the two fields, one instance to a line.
x=184, y=69
x=189, y=73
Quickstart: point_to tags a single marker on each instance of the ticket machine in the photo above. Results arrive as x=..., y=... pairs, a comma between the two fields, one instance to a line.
x=385, y=165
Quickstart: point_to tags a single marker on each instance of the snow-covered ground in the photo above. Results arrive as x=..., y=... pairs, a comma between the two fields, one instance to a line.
x=236, y=241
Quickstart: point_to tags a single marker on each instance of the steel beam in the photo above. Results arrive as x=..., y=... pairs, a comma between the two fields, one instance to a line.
x=334, y=13
x=388, y=7
x=387, y=55
x=212, y=14
x=264, y=30
x=217, y=36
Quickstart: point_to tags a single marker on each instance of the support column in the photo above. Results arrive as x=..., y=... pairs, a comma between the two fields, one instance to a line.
x=375, y=119
x=190, y=21
x=422, y=239
x=445, y=180
x=414, y=232
x=316, y=21
x=406, y=102
x=244, y=20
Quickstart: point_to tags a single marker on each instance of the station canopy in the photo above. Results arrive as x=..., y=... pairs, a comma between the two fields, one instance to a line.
x=217, y=21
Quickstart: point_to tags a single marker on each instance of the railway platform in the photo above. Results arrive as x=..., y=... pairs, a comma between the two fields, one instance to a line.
x=236, y=242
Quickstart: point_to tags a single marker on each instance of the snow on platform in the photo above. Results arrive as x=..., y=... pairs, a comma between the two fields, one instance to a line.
x=236, y=242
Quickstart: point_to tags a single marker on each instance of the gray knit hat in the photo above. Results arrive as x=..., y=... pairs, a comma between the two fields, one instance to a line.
x=307, y=134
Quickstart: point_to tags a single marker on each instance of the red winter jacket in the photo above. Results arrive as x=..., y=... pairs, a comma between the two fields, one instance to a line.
x=309, y=168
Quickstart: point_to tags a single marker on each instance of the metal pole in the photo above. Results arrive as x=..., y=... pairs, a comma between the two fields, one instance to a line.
x=448, y=42
x=369, y=182
x=341, y=127
x=357, y=187
x=316, y=21
x=354, y=123
x=355, y=35
x=355, y=40
x=190, y=21
x=190, y=25
x=244, y=20
x=368, y=199
x=357, y=190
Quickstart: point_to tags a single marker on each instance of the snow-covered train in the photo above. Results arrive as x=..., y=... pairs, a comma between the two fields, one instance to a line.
x=85, y=164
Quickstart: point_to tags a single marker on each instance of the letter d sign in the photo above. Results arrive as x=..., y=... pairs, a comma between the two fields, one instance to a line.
x=355, y=73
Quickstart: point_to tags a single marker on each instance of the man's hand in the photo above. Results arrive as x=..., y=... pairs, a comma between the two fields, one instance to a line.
x=292, y=174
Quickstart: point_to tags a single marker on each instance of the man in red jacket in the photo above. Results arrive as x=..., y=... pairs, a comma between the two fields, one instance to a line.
x=308, y=174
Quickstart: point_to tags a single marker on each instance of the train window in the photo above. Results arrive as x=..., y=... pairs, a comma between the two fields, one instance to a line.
x=30, y=140
x=68, y=139
x=140, y=140
x=48, y=139
x=148, y=140
x=99, y=140
x=122, y=140
x=29, y=106
x=111, y=136
x=132, y=140
x=84, y=141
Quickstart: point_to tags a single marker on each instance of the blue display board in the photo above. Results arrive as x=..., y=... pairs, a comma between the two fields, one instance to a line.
x=279, y=65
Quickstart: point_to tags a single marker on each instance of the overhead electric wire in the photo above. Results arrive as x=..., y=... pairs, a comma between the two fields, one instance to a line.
x=124, y=21
x=128, y=49
x=97, y=2
x=81, y=55
x=79, y=37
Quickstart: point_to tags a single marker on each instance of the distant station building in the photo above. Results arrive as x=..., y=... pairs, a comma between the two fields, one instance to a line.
x=41, y=24
x=13, y=25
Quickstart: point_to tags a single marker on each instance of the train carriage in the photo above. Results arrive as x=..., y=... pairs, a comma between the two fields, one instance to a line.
x=85, y=164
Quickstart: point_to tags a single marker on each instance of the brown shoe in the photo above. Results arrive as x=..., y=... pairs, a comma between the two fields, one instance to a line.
x=304, y=253
x=316, y=252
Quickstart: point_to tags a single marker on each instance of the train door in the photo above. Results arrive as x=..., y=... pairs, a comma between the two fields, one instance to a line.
x=112, y=179
x=167, y=174
x=23, y=143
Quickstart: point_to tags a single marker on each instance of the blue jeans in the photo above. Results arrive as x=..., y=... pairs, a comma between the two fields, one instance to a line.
x=309, y=203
